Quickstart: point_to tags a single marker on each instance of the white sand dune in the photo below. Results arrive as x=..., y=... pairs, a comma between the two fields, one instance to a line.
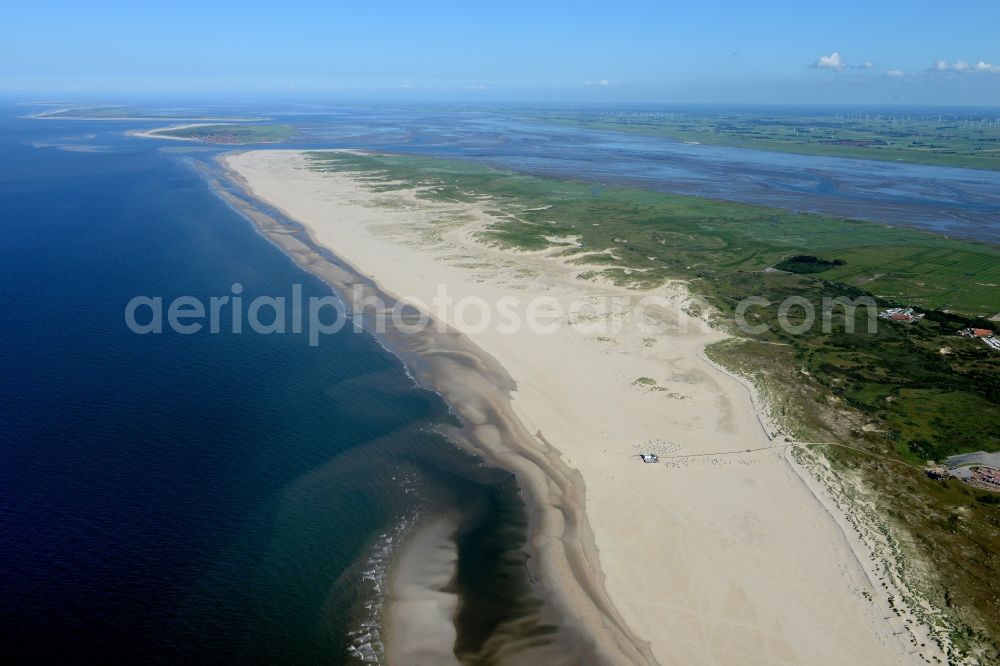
x=717, y=559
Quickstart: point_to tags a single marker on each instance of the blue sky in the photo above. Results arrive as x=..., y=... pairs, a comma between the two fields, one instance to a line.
x=823, y=52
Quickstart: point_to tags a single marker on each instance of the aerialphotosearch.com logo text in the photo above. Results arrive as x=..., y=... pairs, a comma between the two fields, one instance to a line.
x=365, y=309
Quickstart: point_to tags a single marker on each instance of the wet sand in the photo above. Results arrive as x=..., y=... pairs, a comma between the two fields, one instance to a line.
x=563, y=566
x=420, y=597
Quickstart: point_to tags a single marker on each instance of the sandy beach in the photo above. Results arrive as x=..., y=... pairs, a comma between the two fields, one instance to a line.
x=418, y=592
x=725, y=552
x=158, y=133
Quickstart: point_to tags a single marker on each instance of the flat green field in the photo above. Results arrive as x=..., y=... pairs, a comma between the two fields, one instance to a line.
x=231, y=134
x=892, y=398
x=928, y=138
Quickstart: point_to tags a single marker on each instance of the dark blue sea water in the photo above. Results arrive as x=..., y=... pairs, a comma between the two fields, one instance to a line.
x=195, y=498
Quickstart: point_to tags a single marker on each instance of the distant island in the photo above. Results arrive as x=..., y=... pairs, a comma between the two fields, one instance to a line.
x=223, y=134
x=131, y=113
x=233, y=131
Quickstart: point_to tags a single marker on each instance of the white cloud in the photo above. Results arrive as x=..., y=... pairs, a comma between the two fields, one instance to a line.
x=963, y=66
x=832, y=61
x=868, y=64
x=602, y=82
x=895, y=72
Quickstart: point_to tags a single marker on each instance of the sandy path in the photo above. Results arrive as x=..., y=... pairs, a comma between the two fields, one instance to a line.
x=712, y=560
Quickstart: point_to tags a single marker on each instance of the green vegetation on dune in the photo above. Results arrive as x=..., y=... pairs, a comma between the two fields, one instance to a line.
x=649, y=237
x=893, y=397
x=230, y=134
x=925, y=138
x=926, y=392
